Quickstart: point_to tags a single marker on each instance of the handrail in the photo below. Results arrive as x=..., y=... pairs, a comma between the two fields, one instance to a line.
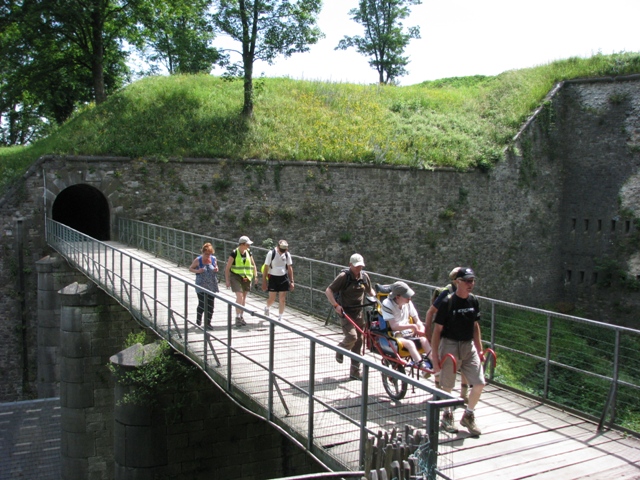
x=527, y=336
x=159, y=299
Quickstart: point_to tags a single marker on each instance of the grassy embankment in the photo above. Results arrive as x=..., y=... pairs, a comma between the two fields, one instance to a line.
x=459, y=122
x=588, y=348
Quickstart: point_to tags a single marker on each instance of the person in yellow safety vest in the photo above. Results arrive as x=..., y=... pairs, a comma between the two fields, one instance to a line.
x=239, y=274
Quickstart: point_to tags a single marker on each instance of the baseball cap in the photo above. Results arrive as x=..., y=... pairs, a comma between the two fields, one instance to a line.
x=356, y=260
x=283, y=245
x=245, y=239
x=465, y=272
x=401, y=289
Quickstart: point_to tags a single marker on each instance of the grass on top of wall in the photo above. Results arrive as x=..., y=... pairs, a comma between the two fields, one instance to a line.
x=461, y=122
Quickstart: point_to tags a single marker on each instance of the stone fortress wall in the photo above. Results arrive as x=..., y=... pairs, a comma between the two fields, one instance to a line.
x=545, y=227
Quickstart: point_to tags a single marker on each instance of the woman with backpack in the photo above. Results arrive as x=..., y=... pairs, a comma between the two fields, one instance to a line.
x=277, y=276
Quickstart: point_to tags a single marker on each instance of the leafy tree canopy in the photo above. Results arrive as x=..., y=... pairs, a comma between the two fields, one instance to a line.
x=384, y=39
x=266, y=29
x=176, y=34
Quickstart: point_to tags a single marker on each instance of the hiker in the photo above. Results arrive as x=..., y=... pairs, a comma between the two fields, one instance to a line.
x=457, y=332
x=205, y=267
x=347, y=294
x=239, y=274
x=277, y=276
x=439, y=296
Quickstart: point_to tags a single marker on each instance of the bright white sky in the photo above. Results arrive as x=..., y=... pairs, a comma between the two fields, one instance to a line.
x=471, y=37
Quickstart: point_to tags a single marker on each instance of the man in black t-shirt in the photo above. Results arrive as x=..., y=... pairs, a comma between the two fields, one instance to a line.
x=457, y=332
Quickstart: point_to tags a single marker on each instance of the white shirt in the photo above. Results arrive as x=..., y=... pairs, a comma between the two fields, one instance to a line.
x=278, y=267
x=397, y=316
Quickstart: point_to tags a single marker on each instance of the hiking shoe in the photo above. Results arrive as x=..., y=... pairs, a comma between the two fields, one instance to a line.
x=469, y=421
x=447, y=423
x=339, y=357
x=240, y=322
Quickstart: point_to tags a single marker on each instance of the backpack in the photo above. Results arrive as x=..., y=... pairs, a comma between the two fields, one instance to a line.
x=438, y=291
x=349, y=281
x=273, y=254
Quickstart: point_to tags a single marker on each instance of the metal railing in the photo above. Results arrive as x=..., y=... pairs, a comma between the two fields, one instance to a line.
x=289, y=387
x=583, y=365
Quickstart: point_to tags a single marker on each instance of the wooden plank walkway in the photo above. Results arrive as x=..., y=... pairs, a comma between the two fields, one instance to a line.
x=521, y=438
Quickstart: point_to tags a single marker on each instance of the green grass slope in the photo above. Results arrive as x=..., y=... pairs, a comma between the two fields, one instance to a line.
x=459, y=122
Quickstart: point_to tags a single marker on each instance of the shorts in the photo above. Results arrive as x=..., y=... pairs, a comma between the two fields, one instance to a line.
x=279, y=283
x=467, y=359
x=239, y=283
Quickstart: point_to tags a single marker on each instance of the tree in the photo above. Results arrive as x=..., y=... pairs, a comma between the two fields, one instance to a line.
x=266, y=29
x=384, y=40
x=177, y=34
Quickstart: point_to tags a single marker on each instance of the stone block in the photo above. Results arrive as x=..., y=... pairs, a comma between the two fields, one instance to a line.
x=76, y=395
x=72, y=369
x=47, y=300
x=75, y=344
x=72, y=420
x=74, y=468
x=48, y=336
x=145, y=446
x=78, y=294
x=132, y=414
x=71, y=319
x=47, y=356
x=78, y=444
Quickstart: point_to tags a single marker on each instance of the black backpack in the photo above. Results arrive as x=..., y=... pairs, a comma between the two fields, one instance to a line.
x=273, y=254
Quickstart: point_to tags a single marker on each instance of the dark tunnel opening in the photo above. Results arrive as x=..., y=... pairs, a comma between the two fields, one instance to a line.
x=83, y=208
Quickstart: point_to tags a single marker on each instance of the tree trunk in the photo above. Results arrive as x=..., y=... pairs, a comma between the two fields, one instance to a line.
x=97, y=57
x=247, y=108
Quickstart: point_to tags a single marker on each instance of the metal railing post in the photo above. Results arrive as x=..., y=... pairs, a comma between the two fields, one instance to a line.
x=547, y=357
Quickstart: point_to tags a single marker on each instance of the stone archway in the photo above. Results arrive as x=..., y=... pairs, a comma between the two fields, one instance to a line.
x=83, y=208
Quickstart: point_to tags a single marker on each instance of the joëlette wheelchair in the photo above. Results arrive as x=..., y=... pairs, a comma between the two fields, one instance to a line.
x=379, y=339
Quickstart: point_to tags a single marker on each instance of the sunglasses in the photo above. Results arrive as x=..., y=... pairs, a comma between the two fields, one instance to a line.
x=469, y=280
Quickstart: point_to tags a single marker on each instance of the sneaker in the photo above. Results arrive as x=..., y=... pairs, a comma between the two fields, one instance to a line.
x=446, y=423
x=339, y=357
x=427, y=363
x=412, y=363
x=266, y=311
x=279, y=318
x=240, y=322
x=469, y=421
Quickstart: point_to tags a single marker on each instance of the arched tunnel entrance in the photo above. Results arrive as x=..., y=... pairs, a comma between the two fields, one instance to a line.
x=83, y=208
